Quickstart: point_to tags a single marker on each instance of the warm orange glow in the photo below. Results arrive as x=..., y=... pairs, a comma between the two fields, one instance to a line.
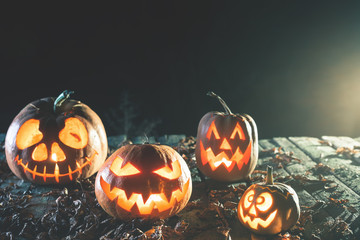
x=40, y=153
x=225, y=145
x=248, y=198
x=212, y=129
x=56, y=174
x=155, y=201
x=264, y=201
x=252, y=211
x=74, y=134
x=127, y=170
x=288, y=214
x=28, y=134
x=57, y=154
x=238, y=130
x=254, y=224
x=166, y=171
x=239, y=158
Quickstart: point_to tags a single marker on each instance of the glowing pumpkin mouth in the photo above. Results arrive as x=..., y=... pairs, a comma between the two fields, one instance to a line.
x=239, y=158
x=155, y=201
x=56, y=174
x=253, y=223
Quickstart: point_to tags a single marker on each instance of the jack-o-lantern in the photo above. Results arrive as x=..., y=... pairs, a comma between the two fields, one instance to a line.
x=55, y=141
x=269, y=208
x=227, y=145
x=143, y=181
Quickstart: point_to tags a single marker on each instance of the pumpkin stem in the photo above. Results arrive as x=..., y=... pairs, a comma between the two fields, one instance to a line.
x=269, y=176
x=227, y=109
x=61, y=98
x=146, y=139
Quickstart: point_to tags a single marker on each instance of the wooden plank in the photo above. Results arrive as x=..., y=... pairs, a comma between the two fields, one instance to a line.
x=306, y=165
x=323, y=221
x=345, y=170
x=305, y=198
x=327, y=155
x=264, y=162
x=347, y=142
x=341, y=141
x=296, y=167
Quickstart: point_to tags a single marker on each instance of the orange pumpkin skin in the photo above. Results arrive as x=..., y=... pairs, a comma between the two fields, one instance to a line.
x=269, y=208
x=227, y=146
x=143, y=181
x=47, y=147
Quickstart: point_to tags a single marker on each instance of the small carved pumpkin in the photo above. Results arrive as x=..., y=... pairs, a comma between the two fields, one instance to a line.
x=143, y=181
x=55, y=141
x=269, y=208
x=227, y=145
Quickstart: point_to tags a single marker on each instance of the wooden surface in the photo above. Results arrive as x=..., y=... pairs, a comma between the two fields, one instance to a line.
x=343, y=180
x=324, y=172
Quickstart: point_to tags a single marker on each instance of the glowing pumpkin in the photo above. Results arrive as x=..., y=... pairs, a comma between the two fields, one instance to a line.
x=227, y=145
x=143, y=181
x=55, y=141
x=269, y=208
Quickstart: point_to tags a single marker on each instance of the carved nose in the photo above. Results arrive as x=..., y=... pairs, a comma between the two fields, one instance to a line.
x=57, y=154
x=40, y=152
x=253, y=210
x=225, y=145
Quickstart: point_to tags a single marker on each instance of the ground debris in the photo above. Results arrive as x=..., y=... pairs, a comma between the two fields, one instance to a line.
x=279, y=156
x=286, y=236
x=305, y=180
x=321, y=168
x=338, y=202
x=325, y=143
x=340, y=230
x=73, y=212
x=347, y=152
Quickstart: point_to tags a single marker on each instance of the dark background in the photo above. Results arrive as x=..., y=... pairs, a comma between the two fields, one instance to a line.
x=294, y=66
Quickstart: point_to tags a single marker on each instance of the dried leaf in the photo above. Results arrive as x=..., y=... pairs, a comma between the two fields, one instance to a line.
x=321, y=168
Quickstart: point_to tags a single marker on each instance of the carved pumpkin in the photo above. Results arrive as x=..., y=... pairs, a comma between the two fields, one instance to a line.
x=227, y=145
x=269, y=208
x=143, y=181
x=55, y=141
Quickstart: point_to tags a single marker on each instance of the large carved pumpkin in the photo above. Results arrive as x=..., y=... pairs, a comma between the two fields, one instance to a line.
x=143, y=181
x=55, y=141
x=269, y=208
x=227, y=145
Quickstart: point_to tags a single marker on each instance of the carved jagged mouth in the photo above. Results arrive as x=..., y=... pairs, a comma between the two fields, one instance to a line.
x=255, y=222
x=56, y=173
x=155, y=201
x=239, y=158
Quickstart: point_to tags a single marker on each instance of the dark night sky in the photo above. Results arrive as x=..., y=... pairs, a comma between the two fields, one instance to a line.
x=294, y=66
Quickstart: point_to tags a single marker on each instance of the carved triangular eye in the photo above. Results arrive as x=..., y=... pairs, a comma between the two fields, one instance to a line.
x=166, y=171
x=127, y=170
x=74, y=134
x=28, y=134
x=238, y=130
x=212, y=129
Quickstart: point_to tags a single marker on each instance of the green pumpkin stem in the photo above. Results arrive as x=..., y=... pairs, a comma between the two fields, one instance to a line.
x=61, y=98
x=269, y=176
x=223, y=103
